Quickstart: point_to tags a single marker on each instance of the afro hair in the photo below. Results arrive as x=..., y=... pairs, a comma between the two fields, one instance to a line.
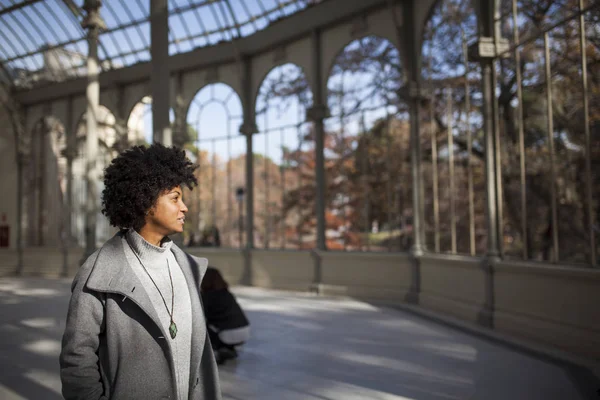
x=137, y=177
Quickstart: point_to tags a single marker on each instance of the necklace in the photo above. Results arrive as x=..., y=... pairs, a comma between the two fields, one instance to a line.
x=172, y=325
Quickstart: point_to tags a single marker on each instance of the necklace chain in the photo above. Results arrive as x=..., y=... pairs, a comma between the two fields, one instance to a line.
x=172, y=327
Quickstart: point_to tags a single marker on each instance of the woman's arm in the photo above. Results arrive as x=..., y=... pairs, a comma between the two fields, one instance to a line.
x=79, y=366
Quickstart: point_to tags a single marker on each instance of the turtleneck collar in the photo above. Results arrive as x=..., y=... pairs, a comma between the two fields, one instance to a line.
x=147, y=252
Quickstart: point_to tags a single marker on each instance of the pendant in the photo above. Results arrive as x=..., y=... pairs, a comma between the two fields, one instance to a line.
x=173, y=329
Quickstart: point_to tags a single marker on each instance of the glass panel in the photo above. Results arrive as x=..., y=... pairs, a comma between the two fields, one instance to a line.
x=213, y=120
x=284, y=207
x=453, y=178
x=369, y=184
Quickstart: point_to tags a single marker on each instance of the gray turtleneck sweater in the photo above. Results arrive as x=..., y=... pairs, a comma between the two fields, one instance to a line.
x=156, y=260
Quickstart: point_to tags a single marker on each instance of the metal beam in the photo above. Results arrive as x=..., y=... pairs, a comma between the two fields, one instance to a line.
x=18, y=6
x=294, y=27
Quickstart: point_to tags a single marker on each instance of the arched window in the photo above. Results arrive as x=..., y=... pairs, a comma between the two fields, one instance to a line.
x=214, y=142
x=139, y=124
x=284, y=177
x=368, y=192
x=107, y=150
x=45, y=183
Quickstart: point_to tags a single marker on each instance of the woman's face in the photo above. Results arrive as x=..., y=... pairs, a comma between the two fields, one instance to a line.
x=168, y=215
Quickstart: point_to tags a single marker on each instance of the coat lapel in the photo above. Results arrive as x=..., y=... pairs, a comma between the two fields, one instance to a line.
x=193, y=269
x=113, y=274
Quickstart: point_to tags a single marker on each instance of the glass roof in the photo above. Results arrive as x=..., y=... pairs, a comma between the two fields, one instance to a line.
x=42, y=41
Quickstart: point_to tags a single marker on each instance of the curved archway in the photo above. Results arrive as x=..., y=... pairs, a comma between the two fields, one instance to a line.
x=139, y=122
x=212, y=140
x=282, y=170
x=452, y=24
x=368, y=203
x=45, y=188
x=366, y=72
x=108, y=147
x=422, y=16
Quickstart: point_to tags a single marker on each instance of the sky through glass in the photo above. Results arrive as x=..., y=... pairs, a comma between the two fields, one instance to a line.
x=42, y=40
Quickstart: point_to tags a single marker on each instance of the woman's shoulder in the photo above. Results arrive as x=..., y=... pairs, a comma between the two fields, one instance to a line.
x=97, y=263
x=84, y=271
x=201, y=263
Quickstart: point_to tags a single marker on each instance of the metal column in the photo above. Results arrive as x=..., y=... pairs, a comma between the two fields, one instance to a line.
x=93, y=23
x=317, y=114
x=160, y=76
x=487, y=50
x=248, y=129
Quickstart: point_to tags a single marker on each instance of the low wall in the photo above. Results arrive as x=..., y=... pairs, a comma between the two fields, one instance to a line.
x=229, y=261
x=452, y=285
x=379, y=277
x=8, y=262
x=554, y=305
x=41, y=261
x=289, y=270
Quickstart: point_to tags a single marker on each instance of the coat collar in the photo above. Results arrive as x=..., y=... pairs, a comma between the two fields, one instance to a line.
x=112, y=273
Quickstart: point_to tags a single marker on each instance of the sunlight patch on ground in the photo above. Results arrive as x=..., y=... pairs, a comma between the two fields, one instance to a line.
x=409, y=326
x=39, y=322
x=39, y=292
x=405, y=367
x=304, y=306
x=44, y=347
x=303, y=299
x=337, y=390
x=17, y=288
x=334, y=390
x=7, y=394
x=299, y=387
x=270, y=307
x=453, y=350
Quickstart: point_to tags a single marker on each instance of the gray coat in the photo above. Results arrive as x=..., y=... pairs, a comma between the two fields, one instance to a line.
x=114, y=347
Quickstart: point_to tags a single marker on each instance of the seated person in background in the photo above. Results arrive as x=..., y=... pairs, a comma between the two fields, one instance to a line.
x=226, y=323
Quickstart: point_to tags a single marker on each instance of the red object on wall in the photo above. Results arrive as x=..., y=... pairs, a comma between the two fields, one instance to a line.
x=4, y=232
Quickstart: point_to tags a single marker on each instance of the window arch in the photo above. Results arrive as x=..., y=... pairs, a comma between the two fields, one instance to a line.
x=284, y=215
x=368, y=192
x=45, y=183
x=139, y=123
x=107, y=149
x=214, y=143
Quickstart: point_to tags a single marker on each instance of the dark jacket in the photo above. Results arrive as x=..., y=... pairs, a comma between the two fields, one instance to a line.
x=222, y=310
x=114, y=346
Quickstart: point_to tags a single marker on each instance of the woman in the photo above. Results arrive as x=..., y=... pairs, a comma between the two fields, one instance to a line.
x=227, y=324
x=135, y=325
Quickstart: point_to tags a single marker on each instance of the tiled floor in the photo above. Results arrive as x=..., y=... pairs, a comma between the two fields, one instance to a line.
x=303, y=347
